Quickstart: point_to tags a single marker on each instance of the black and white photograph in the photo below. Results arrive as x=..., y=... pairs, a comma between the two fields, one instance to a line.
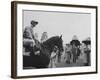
x=53, y=39
x=56, y=39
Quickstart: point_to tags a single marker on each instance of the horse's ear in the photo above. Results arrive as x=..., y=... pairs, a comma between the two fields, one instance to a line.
x=61, y=37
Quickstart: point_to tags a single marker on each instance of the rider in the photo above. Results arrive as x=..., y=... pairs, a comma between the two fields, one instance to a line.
x=29, y=38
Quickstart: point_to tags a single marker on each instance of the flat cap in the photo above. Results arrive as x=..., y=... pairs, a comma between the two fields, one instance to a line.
x=34, y=22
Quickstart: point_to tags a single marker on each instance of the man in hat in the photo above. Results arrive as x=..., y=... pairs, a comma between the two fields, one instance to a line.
x=87, y=50
x=75, y=51
x=28, y=37
x=28, y=31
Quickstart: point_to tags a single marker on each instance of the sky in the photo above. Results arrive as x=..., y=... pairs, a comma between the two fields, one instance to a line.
x=66, y=24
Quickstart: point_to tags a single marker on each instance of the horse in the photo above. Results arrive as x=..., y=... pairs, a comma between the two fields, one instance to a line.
x=43, y=59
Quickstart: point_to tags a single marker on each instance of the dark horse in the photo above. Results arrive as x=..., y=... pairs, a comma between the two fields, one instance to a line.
x=42, y=60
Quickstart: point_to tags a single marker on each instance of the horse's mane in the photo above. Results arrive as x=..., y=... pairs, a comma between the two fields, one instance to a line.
x=49, y=43
x=50, y=40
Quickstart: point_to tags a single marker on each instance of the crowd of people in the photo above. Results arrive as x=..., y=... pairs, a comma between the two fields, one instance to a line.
x=74, y=51
x=78, y=52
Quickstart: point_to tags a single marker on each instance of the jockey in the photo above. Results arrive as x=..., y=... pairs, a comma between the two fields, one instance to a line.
x=28, y=37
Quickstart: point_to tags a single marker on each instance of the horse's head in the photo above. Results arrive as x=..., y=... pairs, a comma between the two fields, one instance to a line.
x=59, y=43
x=54, y=41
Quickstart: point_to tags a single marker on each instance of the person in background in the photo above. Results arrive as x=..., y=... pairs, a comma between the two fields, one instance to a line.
x=82, y=57
x=44, y=37
x=68, y=53
x=53, y=57
x=75, y=43
x=87, y=51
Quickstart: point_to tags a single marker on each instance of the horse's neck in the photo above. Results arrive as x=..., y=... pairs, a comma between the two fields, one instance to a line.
x=49, y=46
